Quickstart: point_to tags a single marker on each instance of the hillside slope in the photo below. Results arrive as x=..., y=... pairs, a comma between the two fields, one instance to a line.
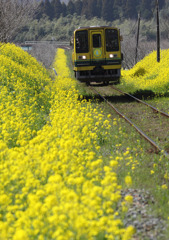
x=149, y=74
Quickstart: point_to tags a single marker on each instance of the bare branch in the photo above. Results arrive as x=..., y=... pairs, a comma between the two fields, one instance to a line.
x=128, y=50
x=13, y=15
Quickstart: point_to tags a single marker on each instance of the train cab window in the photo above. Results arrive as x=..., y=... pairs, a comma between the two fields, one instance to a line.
x=96, y=40
x=112, y=43
x=81, y=38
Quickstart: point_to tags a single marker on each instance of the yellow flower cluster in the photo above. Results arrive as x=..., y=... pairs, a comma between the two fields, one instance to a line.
x=24, y=96
x=55, y=185
x=149, y=74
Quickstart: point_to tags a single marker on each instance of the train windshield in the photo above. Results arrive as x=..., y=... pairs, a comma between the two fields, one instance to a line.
x=112, y=43
x=81, y=38
x=96, y=40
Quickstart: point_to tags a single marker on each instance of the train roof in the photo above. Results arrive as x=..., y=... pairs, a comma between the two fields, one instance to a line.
x=94, y=27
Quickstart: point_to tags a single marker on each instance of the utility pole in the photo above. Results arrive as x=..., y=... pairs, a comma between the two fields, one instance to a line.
x=158, y=32
x=137, y=38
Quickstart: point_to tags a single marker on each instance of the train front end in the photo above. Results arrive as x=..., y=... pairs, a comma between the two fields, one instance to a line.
x=97, y=54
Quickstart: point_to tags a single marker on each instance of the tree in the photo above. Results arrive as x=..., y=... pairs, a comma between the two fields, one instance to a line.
x=57, y=8
x=130, y=9
x=161, y=4
x=99, y=8
x=40, y=11
x=85, y=8
x=107, y=9
x=164, y=21
x=92, y=12
x=13, y=15
x=117, y=9
x=78, y=7
x=146, y=9
x=48, y=9
x=70, y=8
x=64, y=9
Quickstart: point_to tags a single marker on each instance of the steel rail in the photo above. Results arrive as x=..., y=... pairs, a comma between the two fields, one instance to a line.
x=139, y=100
x=155, y=145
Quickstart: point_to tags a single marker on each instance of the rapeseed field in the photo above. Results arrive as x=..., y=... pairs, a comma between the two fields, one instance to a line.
x=148, y=74
x=54, y=183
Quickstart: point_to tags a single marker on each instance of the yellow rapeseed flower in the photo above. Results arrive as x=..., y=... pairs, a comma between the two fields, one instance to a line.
x=128, y=180
x=53, y=183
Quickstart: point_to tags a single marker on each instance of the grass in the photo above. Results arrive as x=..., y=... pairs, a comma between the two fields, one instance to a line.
x=149, y=171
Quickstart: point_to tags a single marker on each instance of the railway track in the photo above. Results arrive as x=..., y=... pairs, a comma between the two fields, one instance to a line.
x=143, y=134
x=140, y=101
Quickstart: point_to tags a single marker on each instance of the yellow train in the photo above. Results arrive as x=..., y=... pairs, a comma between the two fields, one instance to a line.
x=97, y=54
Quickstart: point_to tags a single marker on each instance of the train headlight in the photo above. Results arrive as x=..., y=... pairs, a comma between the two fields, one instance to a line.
x=82, y=57
x=112, y=55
